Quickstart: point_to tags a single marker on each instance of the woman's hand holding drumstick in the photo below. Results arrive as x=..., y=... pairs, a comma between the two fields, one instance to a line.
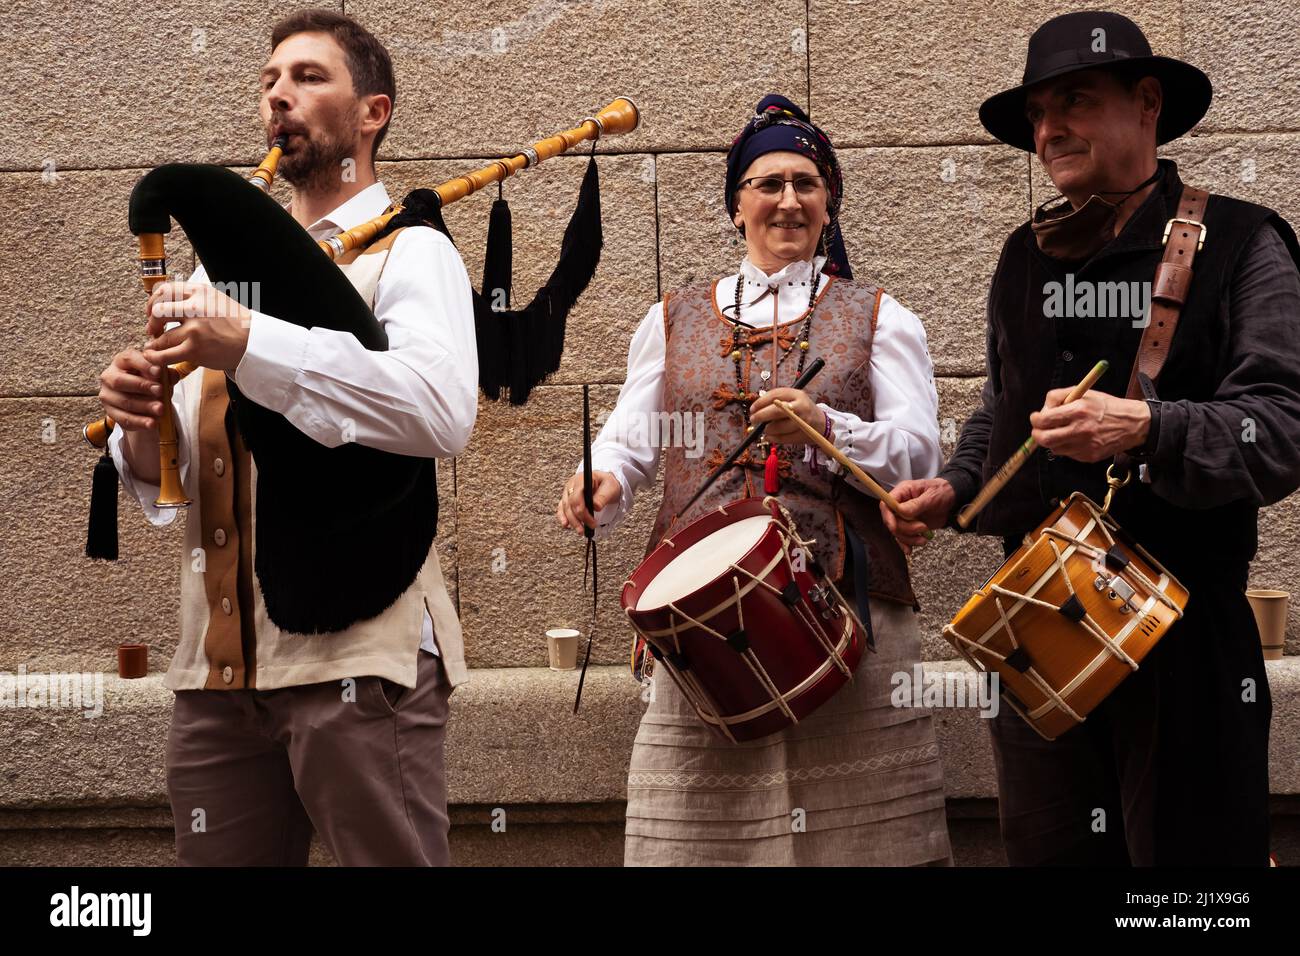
x=821, y=442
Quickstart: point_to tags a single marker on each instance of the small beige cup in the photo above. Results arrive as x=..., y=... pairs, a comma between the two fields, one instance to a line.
x=1270, y=614
x=562, y=644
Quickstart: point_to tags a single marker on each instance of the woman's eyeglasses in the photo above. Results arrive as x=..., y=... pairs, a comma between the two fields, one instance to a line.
x=775, y=186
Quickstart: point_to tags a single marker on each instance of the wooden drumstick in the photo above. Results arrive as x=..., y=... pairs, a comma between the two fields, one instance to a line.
x=821, y=442
x=1003, y=475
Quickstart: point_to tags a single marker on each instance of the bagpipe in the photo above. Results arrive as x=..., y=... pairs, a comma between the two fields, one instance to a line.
x=342, y=531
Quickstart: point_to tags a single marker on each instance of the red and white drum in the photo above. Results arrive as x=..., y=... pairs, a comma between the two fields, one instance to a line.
x=734, y=607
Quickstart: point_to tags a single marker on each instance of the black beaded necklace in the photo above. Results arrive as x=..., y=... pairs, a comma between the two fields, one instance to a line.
x=741, y=344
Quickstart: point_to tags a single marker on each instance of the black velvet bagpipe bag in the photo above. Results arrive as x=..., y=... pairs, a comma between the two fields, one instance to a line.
x=340, y=532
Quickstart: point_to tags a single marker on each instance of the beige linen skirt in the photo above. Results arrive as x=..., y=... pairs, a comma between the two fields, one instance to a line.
x=856, y=783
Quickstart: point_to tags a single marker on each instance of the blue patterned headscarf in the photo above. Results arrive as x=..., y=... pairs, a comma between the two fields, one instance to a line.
x=780, y=126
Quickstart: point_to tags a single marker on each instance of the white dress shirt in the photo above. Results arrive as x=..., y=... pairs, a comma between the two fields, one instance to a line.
x=902, y=442
x=420, y=397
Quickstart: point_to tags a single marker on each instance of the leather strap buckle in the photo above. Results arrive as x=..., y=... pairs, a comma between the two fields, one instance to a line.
x=1169, y=227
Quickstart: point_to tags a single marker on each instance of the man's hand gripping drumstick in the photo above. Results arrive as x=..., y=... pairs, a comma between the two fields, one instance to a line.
x=1023, y=453
x=824, y=444
x=927, y=503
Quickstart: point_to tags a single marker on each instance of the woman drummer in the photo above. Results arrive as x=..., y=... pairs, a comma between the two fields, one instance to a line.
x=858, y=781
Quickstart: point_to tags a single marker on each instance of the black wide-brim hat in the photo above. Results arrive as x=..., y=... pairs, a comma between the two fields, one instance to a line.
x=1086, y=41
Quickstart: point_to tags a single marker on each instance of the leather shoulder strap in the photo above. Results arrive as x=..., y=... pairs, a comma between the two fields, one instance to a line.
x=1184, y=237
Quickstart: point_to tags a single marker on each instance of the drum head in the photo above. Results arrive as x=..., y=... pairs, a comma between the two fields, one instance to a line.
x=702, y=562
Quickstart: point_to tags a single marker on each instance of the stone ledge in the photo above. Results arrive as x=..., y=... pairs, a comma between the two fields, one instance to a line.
x=549, y=835
x=513, y=742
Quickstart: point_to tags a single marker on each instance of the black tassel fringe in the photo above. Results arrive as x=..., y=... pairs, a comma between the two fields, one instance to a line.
x=101, y=533
x=520, y=348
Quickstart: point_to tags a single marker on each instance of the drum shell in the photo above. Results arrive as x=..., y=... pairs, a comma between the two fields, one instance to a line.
x=776, y=633
x=1070, y=659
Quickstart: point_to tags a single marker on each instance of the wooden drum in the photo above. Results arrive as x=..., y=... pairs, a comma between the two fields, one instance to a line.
x=1068, y=616
x=734, y=607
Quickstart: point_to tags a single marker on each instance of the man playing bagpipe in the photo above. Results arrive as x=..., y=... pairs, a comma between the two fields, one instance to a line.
x=312, y=694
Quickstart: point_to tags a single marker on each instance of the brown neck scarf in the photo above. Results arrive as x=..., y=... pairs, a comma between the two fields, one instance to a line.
x=1074, y=234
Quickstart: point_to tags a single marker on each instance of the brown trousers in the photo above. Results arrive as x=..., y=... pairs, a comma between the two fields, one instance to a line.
x=251, y=773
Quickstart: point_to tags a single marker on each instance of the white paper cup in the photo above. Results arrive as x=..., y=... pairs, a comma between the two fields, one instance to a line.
x=562, y=645
x=1270, y=609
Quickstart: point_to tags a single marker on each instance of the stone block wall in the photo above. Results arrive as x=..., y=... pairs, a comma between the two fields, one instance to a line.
x=100, y=92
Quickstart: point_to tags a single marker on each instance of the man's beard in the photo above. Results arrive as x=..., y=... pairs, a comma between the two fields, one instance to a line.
x=317, y=165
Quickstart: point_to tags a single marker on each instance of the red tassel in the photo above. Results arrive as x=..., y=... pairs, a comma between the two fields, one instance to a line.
x=772, y=472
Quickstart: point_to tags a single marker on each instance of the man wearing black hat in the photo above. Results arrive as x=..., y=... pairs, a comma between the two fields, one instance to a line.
x=1172, y=768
